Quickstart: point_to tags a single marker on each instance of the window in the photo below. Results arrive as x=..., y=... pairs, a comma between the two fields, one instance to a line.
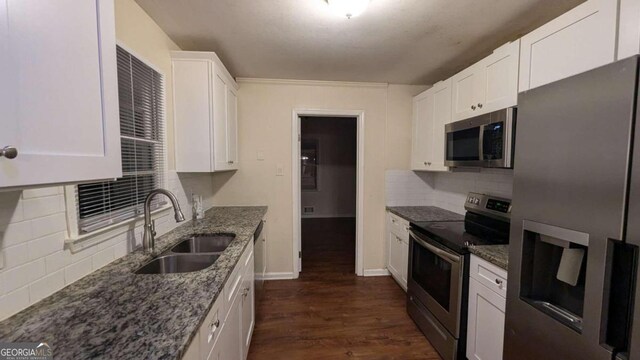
x=141, y=96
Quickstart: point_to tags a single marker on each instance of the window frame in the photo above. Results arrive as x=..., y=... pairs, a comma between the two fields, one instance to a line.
x=77, y=241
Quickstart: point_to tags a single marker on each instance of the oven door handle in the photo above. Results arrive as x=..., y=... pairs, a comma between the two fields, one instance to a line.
x=441, y=253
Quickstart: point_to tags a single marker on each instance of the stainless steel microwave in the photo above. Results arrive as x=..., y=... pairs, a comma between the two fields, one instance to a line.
x=482, y=141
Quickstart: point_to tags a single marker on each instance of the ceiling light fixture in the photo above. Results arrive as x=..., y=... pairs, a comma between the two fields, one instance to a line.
x=348, y=8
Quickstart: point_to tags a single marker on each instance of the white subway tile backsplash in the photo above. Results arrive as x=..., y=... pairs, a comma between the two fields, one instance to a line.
x=447, y=190
x=77, y=270
x=15, y=255
x=39, y=207
x=13, y=302
x=41, y=192
x=46, y=286
x=33, y=227
x=56, y=261
x=46, y=245
x=48, y=225
x=102, y=258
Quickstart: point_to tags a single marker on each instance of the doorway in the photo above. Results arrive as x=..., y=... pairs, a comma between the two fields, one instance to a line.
x=328, y=181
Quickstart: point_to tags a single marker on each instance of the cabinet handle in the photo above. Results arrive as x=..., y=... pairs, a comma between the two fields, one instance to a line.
x=429, y=163
x=230, y=161
x=9, y=152
x=479, y=106
x=214, y=325
x=425, y=163
x=499, y=283
x=245, y=292
x=473, y=107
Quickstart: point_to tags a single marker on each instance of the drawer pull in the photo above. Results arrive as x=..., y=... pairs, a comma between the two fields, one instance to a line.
x=499, y=283
x=214, y=325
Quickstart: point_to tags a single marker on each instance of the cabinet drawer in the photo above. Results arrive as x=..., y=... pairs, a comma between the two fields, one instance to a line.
x=399, y=226
x=212, y=325
x=489, y=275
x=232, y=287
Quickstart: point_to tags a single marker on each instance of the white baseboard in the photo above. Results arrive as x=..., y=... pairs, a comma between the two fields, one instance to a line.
x=376, y=272
x=278, y=276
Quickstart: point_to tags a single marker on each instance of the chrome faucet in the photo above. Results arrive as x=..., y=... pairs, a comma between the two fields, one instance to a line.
x=149, y=239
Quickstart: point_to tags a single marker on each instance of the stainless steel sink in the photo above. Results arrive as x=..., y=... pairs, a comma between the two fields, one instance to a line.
x=170, y=264
x=204, y=243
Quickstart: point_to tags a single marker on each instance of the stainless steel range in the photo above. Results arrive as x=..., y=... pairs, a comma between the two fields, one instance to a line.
x=438, y=275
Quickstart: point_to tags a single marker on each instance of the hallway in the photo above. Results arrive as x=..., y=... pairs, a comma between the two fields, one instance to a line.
x=329, y=312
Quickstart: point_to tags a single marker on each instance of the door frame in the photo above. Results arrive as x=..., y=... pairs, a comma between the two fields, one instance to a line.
x=295, y=180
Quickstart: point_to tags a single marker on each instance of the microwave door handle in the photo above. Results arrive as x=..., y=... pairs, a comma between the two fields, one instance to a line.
x=481, y=143
x=441, y=253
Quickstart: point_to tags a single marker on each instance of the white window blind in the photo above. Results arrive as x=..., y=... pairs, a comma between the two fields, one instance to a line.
x=141, y=96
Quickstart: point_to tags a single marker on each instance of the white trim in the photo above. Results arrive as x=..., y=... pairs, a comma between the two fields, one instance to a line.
x=295, y=180
x=377, y=272
x=241, y=80
x=277, y=276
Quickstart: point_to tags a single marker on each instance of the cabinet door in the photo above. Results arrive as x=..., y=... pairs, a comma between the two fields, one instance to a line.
x=579, y=40
x=499, y=79
x=192, y=115
x=395, y=258
x=404, y=263
x=232, y=128
x=441, y=116
x=421, y=129
x=629, y=31
x=221, y=154
x=248, y=307
x=58, y=94
x=485, y=331
x=466, y=86
x=230, y=340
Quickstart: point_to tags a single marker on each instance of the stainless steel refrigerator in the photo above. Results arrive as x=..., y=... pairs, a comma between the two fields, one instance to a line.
x=575, y=224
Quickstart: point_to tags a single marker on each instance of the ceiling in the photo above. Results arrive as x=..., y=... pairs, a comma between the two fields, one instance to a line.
x=394, y=41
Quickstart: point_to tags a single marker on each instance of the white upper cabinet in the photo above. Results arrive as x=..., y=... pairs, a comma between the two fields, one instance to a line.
x=629, y=29
x=579, y=40
x=205, y=113
x=431, y=111
x=59, y=92
x=488, y=85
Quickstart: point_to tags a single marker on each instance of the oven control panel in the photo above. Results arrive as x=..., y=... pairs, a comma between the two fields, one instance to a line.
x=488, y=205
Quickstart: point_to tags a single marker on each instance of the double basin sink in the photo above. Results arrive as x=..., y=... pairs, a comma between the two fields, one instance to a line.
x=193, y=253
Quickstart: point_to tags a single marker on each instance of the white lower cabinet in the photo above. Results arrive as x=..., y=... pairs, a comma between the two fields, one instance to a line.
x=226, y=331
x=485, y=327
x=398, y=248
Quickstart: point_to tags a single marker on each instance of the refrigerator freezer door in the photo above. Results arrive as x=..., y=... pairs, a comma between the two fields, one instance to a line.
x=571, y=170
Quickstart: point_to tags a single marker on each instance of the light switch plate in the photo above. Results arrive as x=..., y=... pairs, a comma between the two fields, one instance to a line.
x=260, y=155
x=279, y=170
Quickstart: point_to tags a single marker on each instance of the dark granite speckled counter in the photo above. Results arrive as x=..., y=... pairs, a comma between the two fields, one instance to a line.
x=114, y=314
x=495, y=254
x=424, y=213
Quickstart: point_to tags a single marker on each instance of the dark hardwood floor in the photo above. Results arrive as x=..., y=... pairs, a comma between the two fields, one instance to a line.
x=329, y=312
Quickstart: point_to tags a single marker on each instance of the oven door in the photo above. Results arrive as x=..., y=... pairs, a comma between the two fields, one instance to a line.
x=435, y=278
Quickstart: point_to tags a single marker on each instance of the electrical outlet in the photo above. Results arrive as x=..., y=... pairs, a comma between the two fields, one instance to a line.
x=279, y=170
x=260, y=155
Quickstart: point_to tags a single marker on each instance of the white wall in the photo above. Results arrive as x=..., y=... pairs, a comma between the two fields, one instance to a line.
x=447, y=190
x=337, y=147
x=33, y=224
x=265, y=125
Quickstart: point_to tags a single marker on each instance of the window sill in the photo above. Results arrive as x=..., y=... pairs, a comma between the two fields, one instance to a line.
x=84, y=241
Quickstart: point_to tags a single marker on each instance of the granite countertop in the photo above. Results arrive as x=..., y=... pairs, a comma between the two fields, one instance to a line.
x=495, y=254
x=113, y=313
x=424, y=213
